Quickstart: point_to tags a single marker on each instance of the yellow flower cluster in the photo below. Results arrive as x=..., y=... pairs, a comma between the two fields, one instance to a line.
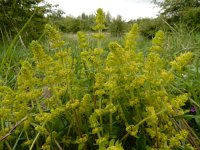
x=100, y=20
x=72, y=104
x=124, y=90
x=83, y=43
x=54, y=37
x=181, y=61
x=131, y=38
x=157, y=42
x=115, y=145
x=132, y=130
x=100, y=25
x=25, y=78
x=178, y=138
x=82, y=140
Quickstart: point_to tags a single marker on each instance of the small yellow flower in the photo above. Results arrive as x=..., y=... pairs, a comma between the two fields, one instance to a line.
x=181, y=61
x=132, y=130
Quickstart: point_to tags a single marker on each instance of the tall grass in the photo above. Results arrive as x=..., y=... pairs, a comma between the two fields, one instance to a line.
x=11, y=55
x=179, y=40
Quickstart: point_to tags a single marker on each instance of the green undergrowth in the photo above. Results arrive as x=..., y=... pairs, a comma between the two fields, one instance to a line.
x=95, y=98
x=180, y=40
x=11, y=66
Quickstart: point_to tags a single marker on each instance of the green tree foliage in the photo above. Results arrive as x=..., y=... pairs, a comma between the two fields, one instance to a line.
x=117, y=26
x=185, y=11
x=15, y=13
x=173, y=9
x=192, y=17
x=108, y=18
x=86, y=22
x=149, y=26
x=72, y=24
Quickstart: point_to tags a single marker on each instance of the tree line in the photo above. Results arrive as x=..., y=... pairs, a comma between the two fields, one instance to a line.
x=15, y=13
x=70, y=24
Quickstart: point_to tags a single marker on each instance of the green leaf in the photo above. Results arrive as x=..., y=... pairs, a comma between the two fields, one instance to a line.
x=81, y=146
x=14, y=147
x=188, y=116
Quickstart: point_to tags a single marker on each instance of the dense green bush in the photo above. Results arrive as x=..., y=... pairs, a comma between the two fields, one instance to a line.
x=149, y=26
x=14, y=14
x=191, y=18
x=117, y=26
x=181, y=11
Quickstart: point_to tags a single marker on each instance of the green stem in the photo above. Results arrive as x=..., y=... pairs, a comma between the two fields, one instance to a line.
x=2, y=124
x=34, y=141
x=142, y=121
x=99, y=40
x=145, y=119
x=16, y=143
x=58, y=145
x=100, y=108
x=124, y=137
x=69, y=128
x=8, y=145
x=110, y=117
x=36, y=137
x=94, y=96
x=157, y=138
x=26, y=134
x=99, y=135
x=100, y=103
x=59, y=102
x=38, y=106
x=122, y=114
x=78, y=124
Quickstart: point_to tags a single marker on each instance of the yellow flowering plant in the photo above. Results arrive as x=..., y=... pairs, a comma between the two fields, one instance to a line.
x=115, y=101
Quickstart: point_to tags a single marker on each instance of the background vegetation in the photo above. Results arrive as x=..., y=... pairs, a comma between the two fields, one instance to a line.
x=38, y=110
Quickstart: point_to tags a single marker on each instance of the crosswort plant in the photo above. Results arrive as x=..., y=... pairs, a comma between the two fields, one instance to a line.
x=110, y=100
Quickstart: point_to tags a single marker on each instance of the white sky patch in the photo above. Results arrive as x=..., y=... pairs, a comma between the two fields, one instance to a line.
x=128, y=9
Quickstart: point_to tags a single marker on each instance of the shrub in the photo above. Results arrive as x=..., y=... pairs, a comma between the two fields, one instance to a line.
x=120, y=100
x=149, y=26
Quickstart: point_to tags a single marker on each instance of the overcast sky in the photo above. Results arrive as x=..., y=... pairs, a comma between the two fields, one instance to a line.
x=128, y=9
